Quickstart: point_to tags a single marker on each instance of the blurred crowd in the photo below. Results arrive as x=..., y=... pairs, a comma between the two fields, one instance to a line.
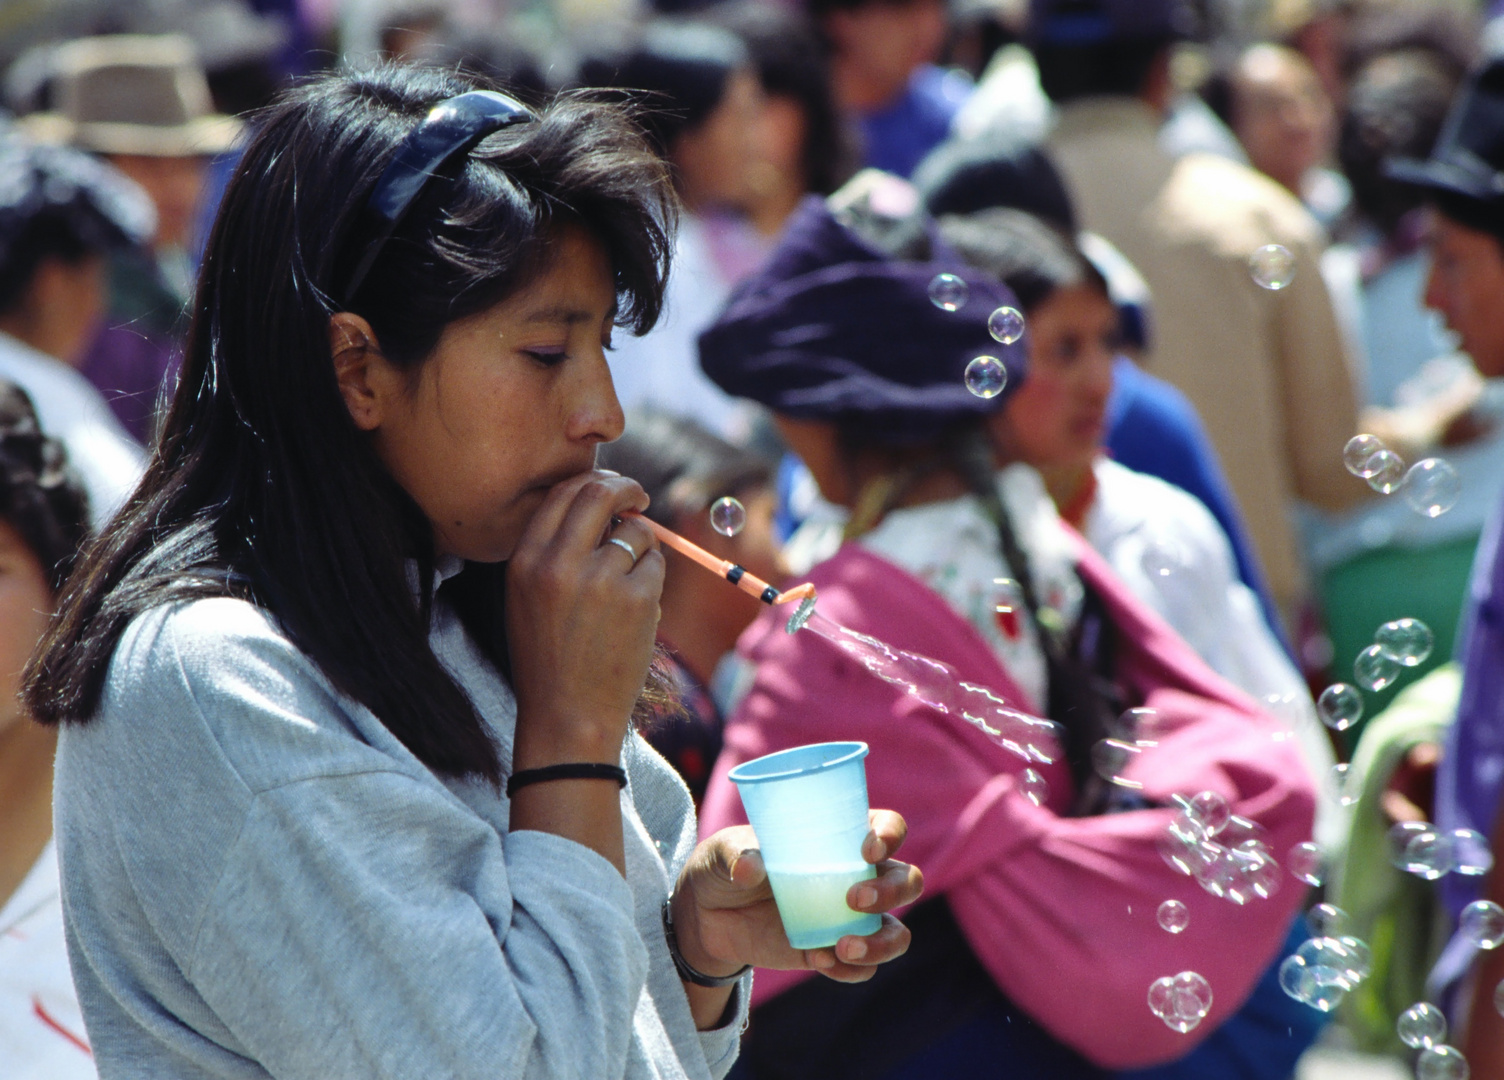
x=1201, y=212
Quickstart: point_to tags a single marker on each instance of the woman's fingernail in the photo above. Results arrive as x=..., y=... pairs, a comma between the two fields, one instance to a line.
x=857, y=949
x=823, y=960
x=866, y=895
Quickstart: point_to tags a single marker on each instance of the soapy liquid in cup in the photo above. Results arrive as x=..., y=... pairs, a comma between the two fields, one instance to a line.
x=813, y=904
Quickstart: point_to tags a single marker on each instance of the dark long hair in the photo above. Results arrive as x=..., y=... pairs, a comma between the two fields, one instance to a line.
x=261, y=486
x=40, y=496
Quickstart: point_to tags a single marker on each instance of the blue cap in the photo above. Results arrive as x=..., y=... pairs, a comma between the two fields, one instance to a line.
x=833, y=328
x=1467, y=164
x=1098, y=22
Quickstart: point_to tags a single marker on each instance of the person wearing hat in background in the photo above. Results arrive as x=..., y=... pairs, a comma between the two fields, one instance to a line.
x=1464, y=183
x=44, y=519
x=1035, y=957
x=1151, y=426
x=142, y=103
x=1267, y=371
x=61, y=213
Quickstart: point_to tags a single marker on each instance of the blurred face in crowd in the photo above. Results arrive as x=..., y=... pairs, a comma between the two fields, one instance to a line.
x=175, y=184
x=1466, y=286
x=716, y=159
x=1281, y=114
x=878, y=45
x=62, y=307
x=25, y=600
x=1057, y=418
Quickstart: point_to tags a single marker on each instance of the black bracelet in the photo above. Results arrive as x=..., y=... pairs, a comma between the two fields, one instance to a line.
x=687, y=973
x=570, y=771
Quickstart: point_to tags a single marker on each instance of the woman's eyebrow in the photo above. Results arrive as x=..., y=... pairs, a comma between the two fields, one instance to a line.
x=566, y=315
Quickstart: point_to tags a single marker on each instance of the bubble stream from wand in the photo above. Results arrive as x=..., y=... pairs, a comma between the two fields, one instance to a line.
x=931, y=681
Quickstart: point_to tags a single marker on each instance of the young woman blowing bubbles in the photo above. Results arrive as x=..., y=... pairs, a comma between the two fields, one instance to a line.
x=347, y=782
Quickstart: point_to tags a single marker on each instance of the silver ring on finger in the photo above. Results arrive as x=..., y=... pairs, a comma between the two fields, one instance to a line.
x=628, y=548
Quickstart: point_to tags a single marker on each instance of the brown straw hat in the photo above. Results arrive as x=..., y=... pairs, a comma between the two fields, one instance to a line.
x=132, y=94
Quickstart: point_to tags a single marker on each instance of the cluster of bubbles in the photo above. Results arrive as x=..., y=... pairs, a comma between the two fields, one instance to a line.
x=986, y=376
x=1423, y=849
x=1431, y=486
x=1181, y=1001
x=1328, y=964
x=1398, y=644
x=728, y=516
x=1423, y=1027
x=1272, y=267
x=1225, y=853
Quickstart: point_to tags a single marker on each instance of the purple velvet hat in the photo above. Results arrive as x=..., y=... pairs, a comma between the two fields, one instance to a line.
x=834, y=328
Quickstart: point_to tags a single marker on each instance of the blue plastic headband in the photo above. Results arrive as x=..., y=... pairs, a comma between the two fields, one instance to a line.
x=450, y=129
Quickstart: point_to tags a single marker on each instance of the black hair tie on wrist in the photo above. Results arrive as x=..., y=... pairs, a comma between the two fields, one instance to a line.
x=569, y=771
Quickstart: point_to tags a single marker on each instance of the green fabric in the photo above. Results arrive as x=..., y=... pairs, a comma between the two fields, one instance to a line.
x=1395, y=912
x=1358, y=596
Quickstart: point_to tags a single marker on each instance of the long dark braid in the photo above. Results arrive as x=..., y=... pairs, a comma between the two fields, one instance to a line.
x=1081, y=696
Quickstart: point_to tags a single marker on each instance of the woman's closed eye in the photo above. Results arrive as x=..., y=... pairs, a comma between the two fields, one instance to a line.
x=548, y=357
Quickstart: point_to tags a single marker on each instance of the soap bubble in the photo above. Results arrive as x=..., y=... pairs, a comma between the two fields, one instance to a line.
x=1405, y=641
x=1499, y=997
x=1330, y=962
x=1340, y=706
x=1421, y=1025
x=1470, y=853
x=1210, y=811
x=986, y=377
x=1359, y=452
x=1400, y=836
x=1307, y=862
x=1140, y=725
x=1295, y=978
x=1482, y=923
x=1111, y=759
x=1162, y=556
x=1181, y=1001
x=948, y=292
x=1441, y=1062
x=1326, y=921
x=1006, y=325
x=1360, y=964
x=1340, y=777
x=1007, y=596
x=1429, y=855
x=1432, y=487
x=1387, y=472
x=1303, y=983
x=1272, y=266
x=728, y=516
x=1035, y=788
x=1374, y=669
x=1174, y=916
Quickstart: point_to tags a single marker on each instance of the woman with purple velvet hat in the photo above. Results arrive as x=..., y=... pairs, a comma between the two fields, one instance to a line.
x=1041, y=942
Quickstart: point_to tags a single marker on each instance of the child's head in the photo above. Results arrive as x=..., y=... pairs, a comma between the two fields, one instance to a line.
x=1057, y=418
x=44, y=519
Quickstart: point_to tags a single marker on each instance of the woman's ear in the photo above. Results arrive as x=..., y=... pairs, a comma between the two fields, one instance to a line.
x=353, y=347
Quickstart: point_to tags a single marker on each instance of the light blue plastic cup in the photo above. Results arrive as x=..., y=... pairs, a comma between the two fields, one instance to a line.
x=808, y=807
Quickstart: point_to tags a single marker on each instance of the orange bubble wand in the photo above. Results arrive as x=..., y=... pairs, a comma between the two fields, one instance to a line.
x=750, y=584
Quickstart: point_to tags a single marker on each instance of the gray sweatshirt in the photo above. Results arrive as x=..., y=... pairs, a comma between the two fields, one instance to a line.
x=260, y=880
